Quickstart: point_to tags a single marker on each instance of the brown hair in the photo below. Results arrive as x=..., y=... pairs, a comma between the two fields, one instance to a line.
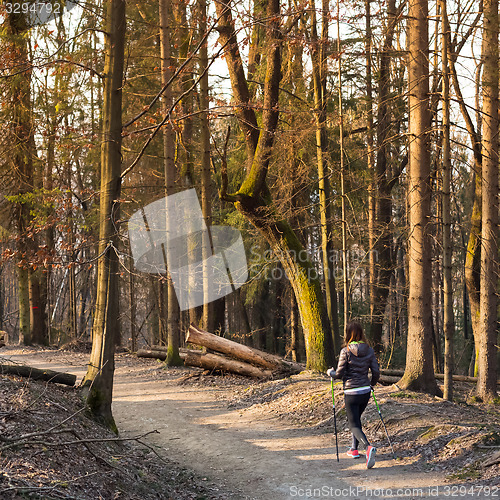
x=354, y=333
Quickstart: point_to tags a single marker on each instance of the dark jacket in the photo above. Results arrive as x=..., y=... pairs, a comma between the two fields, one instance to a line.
x=354, y=361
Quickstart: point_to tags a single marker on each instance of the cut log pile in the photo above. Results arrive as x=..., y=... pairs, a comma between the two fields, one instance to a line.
x=229, y=357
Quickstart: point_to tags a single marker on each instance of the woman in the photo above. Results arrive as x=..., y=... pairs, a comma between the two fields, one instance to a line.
x=354, y=361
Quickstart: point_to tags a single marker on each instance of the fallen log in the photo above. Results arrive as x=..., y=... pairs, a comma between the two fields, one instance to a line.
x=211, y=361
x=241, y=352
x=38, y=374
x=152, y=353
x=439, y=376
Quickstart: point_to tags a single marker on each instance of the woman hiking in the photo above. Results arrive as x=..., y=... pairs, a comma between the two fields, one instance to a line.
x=356, y=358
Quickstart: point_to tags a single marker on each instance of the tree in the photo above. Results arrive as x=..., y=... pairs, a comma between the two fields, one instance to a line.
x=21, y=133
x=253, y=199
x=488, y=321
x=419, y=371
x=170, y=175
x=319, y=65
x=448, y=318
x=98, y=382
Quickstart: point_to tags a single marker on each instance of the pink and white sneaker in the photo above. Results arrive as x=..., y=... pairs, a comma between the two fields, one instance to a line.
x=353, y=453
x=371, y=451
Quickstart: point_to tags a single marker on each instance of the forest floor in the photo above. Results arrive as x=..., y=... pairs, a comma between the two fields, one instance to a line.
x=225, y=437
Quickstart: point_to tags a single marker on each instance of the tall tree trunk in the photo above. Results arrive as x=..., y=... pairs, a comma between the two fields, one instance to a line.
x=419, y=371
x=488, y=321
x=448, y=318
x=206, y=178
x=345, y=253
x=319, y=82
x=253, y=199
x=473, y=257
x=21, y=130
x=98, y=382
x=173, y=312
x=381, y=250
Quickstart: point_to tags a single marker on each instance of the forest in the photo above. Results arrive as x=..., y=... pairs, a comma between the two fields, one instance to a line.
x=352, y=146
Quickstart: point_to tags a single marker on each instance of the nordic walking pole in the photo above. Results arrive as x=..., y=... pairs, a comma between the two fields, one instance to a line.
x=335, y=422
x=385, y=428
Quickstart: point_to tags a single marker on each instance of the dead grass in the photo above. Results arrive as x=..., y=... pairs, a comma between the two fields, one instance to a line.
x=49, y=449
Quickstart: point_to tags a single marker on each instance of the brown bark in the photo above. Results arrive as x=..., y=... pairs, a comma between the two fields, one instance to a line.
x=419, y=371
x=488, y=320
x=448, y=318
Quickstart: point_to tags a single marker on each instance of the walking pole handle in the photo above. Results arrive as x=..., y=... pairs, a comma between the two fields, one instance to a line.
x=375, y=399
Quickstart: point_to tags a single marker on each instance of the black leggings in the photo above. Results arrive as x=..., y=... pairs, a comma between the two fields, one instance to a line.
x=355, y=405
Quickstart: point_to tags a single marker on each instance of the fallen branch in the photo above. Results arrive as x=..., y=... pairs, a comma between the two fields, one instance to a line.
x=38, y=374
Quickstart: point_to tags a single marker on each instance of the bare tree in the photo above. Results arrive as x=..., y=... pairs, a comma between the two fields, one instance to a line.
x=98, y=382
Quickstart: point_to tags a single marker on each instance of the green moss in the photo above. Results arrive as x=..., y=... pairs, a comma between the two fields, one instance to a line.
x=491, y=439
x=173, y=358
x=429, y=433
x=95, y=402
x=403, y=394
x=468, y=472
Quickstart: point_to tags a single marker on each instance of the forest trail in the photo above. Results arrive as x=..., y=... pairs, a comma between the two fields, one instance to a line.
x=245, y=451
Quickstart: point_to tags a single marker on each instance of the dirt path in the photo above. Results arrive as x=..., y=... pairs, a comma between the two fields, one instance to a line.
x=246, y=451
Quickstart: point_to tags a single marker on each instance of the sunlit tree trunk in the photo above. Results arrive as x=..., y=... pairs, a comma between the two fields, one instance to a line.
x=419, y=370
x=206, y=178
x=98, y=382
x=448, y=317
x=488, y=321
x=381, y=249
x=319, y=84
x=173, y=313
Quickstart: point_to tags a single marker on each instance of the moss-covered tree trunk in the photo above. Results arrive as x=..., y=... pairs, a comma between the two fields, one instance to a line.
x=98, y=382
x=20, y=158
x=473, y=255
x=254, y=200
